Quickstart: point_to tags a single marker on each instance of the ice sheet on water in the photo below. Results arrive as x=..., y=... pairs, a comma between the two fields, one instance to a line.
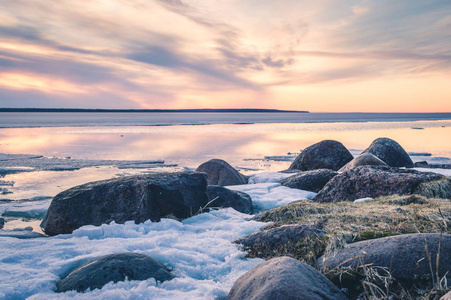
x=26, y=209
x=270, y=195
x=198, y=250
x=267, y=177
x=446, y=172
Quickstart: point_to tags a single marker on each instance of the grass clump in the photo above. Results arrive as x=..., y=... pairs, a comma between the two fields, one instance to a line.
x=347, y=222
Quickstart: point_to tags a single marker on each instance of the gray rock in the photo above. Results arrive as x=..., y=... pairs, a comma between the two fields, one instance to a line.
x=113, y=267
x=326, y=154
x=138, y=198
x=313, y=180
x=421, y=164
x=376, y=181
x=278, y=236
x=237, y=200
x=404, y=255
x=390, y=152
x=284, y=278
x=364, y=159
x=219, y=172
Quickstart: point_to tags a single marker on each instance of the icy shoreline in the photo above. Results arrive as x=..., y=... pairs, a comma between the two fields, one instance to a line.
x=199, y=250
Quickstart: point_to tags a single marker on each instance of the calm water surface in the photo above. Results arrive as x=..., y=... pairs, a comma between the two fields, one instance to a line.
x=244, y=146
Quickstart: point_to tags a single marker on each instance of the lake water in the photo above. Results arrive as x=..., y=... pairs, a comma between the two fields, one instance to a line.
x=253, y=143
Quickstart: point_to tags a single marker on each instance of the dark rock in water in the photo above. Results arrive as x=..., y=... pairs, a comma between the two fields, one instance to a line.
x=390, y=152
x=137, y=198
x=113, y=267
x=219, y=172
x=419, y=154
x=284, y=278
x=364, y=159
x=2, y=222
x=313, y=180
x=376, y=181
x=326, y=154
x=421, y=164
x=278, y=236
x=404, y=255
x=239, y=201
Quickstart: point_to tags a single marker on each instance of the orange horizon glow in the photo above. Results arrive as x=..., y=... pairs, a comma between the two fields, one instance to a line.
x=317, y=57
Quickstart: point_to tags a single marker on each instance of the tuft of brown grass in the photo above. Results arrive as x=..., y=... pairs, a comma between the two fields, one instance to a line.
x=347, y=222
x=384, y=216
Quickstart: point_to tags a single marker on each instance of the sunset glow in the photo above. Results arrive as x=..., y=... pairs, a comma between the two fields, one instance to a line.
x=320, y=56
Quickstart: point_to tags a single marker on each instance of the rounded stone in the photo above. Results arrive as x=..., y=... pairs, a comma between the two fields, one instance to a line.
x=113, y=267
x=326, y=154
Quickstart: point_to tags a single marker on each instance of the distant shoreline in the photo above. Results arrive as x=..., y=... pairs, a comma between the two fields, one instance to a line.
x=200, y=110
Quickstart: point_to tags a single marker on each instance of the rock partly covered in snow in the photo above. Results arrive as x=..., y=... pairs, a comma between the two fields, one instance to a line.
x=375, y=181
x=137, y=198
x=390, y=152
x=219, y=196
x=284, y=278
x=364, y=159
x=313, y=180
x=219, y=172
x=113, y=267
x=278, y=236
x=404, y=255
x=326, y=154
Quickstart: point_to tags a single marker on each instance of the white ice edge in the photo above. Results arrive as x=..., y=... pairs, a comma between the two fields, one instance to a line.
x=199, y=250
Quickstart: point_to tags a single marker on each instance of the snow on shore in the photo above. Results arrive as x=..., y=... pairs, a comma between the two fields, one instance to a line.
x=198, y=250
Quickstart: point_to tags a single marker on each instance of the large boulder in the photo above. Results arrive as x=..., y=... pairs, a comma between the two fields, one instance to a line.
x=138, y=198
x=219, y=172
x=114, y=267
x=326, y=154
x=364, y=159
x=284, y=278
x=275, y=237
x=219, y=196
x=390, y=152
x=313, y=180
x=406, y=256
x=376, y=181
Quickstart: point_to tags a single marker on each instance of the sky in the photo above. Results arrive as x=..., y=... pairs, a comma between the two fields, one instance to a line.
x=320, y=56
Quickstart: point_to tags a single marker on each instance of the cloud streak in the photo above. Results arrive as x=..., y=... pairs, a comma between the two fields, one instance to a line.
x=178, y=54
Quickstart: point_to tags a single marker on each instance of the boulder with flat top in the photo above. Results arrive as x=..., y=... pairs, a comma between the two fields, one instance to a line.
x=376, y=181
x=407, y=256
x=138, y=198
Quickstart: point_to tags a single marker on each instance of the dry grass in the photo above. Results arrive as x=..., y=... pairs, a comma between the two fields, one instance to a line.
x=381, y=217
x=347, y=222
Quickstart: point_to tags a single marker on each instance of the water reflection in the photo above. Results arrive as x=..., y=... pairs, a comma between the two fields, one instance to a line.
x=242, y=146
x=194, y=144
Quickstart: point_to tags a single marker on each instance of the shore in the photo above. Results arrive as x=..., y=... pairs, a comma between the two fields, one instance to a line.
x=198, y=250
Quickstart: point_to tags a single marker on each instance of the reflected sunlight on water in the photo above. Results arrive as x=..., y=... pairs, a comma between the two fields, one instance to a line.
x=193, y=144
